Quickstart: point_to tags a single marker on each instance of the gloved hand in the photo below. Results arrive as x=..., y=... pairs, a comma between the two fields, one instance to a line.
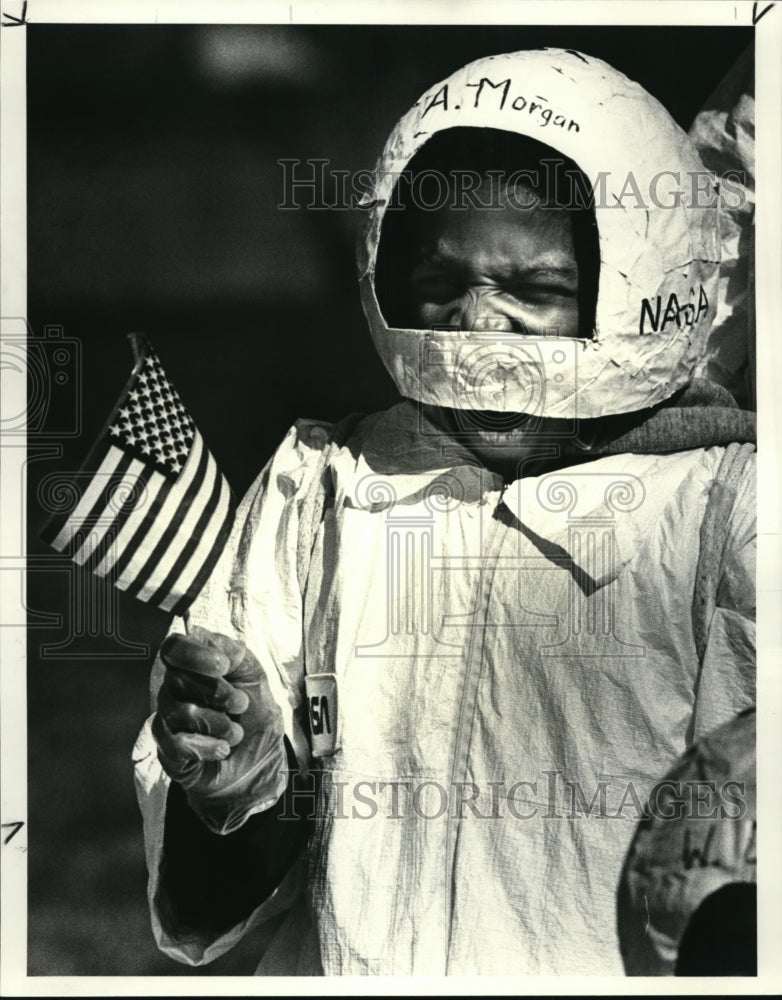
x=218, y=729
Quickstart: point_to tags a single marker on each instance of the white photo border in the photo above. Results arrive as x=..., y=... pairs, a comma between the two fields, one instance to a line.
x=767, y=17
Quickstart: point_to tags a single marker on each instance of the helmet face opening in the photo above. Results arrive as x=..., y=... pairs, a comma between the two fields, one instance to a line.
x=584, y=143
x=508, y=180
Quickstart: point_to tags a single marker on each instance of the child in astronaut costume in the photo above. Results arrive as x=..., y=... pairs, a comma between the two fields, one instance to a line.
x=489, y=669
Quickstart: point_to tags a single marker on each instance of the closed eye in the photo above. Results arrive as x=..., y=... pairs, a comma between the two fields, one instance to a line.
x=543, y=293
x=434, y=287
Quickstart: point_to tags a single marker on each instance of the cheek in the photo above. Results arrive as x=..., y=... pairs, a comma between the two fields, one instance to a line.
x=428, y=314
x=559, y=319
x=562, y=320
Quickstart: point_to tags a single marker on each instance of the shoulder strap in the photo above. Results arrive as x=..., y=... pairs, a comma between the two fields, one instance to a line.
x=714, y=535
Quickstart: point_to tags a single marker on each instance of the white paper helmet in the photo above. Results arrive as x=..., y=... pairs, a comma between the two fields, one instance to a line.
x=655, y=207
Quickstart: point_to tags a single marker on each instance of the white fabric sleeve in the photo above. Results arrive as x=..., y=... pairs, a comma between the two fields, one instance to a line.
x=727, y=677
x=724, y=135
x=254, y=595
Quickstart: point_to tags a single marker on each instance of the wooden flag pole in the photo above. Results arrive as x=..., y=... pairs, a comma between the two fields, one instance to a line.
x=137, y=343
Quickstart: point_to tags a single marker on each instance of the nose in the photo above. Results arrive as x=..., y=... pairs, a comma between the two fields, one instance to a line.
x=483, y=309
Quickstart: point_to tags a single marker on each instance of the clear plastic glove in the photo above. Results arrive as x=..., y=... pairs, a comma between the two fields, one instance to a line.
x=218, y=729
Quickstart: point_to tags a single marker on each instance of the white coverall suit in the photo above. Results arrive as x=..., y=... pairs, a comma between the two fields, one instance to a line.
x=507, y=668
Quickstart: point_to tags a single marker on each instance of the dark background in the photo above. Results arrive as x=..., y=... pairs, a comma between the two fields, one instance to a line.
x=153, y=188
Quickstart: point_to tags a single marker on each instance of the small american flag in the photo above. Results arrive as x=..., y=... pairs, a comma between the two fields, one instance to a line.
x=154, y=512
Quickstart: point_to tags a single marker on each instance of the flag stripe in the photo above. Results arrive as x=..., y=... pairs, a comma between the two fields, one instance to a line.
x=90, y=497
x=183, y=536
x=195, y=540
x=111, y=512
x=136, y=541
x=154, y=481
x=96, y=517
x=154, y=542
x=209, y=563
x=101, y=546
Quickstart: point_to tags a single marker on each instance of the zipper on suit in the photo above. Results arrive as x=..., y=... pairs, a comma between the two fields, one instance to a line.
x=474, y=662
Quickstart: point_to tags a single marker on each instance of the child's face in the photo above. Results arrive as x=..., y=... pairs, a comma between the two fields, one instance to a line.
x=507, y=269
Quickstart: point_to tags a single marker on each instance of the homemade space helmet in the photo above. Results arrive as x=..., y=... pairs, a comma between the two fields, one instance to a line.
x=654, y=206
x=687, y=894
